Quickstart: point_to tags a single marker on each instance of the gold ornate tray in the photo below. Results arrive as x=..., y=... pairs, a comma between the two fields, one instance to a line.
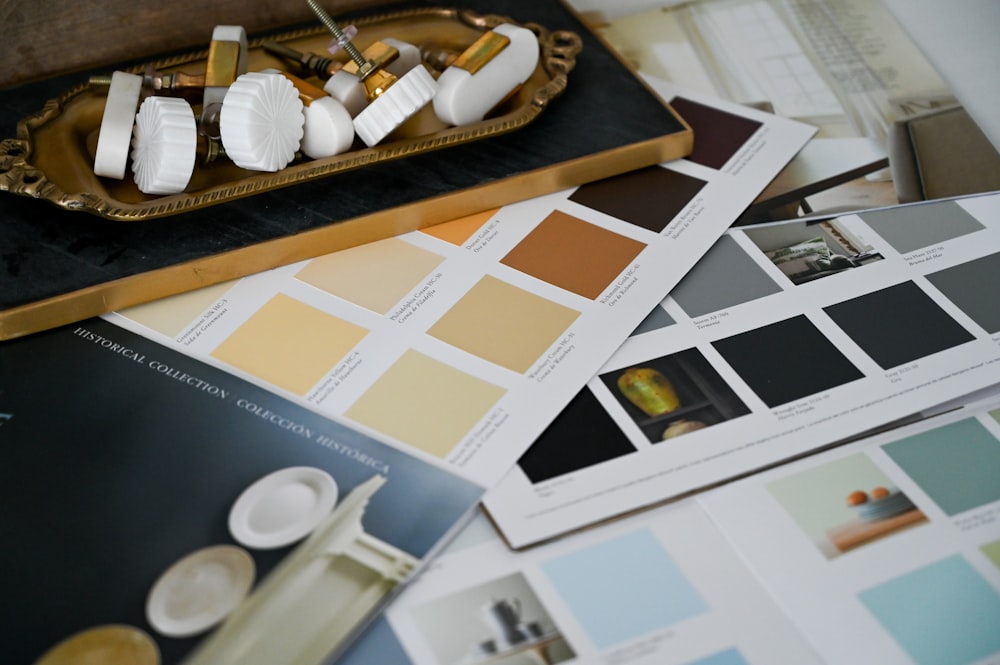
x=53, y=154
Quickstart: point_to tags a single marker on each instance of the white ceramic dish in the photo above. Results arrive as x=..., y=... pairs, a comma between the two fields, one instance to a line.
x=200, y=590
x=282, y=507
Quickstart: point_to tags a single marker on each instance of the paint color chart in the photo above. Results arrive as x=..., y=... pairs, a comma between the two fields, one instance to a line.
x=462, y=341
x=917, y=580
x=784, y=338
x=639, y=592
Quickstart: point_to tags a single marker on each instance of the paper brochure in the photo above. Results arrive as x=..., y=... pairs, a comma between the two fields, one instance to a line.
x=663, y=588
x=155, y=506
x=459, y=343
x=785, y=338
x=911, y=570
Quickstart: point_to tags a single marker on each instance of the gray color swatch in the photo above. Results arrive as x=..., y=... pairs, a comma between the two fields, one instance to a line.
x=724, y=277
x=974, y=287
x=909, y=228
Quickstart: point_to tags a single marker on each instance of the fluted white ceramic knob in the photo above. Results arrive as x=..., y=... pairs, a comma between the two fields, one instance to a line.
x=261, y=121
x=396, y=105
x=164, y=144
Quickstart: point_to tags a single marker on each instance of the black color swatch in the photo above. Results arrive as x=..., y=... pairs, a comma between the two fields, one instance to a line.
x=582, y=435
x=787, y=360
x=898, y=324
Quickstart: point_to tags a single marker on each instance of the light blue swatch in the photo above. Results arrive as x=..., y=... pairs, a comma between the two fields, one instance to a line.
x=727, y=657
x=942, y=614
x=623, y=588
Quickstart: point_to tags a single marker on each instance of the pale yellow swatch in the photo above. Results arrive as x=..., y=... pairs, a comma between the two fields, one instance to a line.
x=503, y=324
x=172, y=314
x=374, y=276
x=289, y=343
x=425, y=403
x=457, y=231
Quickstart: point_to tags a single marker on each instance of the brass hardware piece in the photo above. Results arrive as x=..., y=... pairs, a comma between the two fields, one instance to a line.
x=481, y=52
x=222, y=67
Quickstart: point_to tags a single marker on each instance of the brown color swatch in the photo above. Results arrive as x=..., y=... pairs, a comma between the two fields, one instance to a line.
x=649, y=197
x=573, y=254
x=717, y=134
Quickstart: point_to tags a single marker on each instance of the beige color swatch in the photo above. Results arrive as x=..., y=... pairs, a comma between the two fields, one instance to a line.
x=425, y=403
x=503, y=324
x=289, y=344
x=172, y=314
x=375, y=276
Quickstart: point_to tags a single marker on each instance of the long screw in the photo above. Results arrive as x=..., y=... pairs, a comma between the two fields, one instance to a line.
x=365, y=67
x=317, y=64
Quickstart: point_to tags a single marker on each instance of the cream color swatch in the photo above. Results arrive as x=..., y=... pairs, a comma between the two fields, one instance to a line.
x=503, y=324
x=425, y=403
x=289, y=344
x=375, y=276
x=172, y=314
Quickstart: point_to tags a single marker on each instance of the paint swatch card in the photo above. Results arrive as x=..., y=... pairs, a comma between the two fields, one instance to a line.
x=461, y=342
x=895, y=540
x=641, y=592
x=784, y=338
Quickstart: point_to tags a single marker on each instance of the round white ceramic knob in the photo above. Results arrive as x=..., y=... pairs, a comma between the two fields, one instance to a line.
x=395, y=106
x=328, y=128
x=115, y=133
x=261, y=121
x=164, y=144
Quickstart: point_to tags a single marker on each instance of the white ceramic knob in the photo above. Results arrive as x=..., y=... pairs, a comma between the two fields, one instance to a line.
x=164, y=145
x=465, y=97
x=348, y=89
x=328, y=128
x=396, y=105
x=115, y=134
x=261, y=121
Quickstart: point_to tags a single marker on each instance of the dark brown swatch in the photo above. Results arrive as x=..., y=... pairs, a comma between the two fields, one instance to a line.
x=649, y=197
x=717, y=134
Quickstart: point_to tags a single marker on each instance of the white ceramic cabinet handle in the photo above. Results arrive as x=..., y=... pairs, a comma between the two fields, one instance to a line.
x=466, y=96
x=115, y=134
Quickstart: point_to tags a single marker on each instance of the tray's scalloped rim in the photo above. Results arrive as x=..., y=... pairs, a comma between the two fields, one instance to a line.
x=19, y=175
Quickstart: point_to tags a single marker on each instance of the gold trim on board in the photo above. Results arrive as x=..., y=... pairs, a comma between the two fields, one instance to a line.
x=171, y=280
